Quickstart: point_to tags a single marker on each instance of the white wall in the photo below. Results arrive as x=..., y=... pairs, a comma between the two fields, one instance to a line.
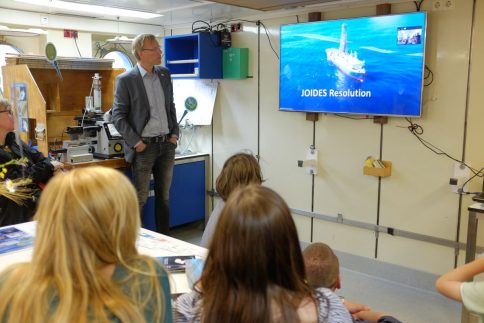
x=417, y=197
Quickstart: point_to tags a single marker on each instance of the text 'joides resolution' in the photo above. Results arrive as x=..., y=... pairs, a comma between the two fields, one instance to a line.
x=335, y=93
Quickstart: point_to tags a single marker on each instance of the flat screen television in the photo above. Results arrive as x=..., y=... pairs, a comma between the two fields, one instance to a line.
x=369, y=65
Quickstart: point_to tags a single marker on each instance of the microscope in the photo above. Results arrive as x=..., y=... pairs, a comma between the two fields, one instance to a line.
x=77, y=149
x=109, y=141
x=94, y=137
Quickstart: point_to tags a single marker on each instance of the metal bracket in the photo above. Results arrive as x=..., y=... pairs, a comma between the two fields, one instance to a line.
x=340, y=218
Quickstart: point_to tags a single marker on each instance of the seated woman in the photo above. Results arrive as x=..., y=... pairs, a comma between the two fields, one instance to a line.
x=254, y=271
x=239, y=170
x=85, y=266
x=36, y=168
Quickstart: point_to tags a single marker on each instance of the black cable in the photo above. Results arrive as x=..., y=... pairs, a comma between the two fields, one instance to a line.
x=428, y=74
x=417, y=131
x=269, y=39
x=75, y=41
x=266, y=31
x=418, y=4
x=415, y=128
x=199, y=29
x=208, y=28
x=478, y=174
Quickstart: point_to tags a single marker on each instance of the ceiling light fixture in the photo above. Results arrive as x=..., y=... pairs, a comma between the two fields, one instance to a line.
x=87, y=8
x=122, y=40
x=5, y=31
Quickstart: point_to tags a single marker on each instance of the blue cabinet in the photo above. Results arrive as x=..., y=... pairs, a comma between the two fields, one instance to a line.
x=196, y=55
x=187, y=193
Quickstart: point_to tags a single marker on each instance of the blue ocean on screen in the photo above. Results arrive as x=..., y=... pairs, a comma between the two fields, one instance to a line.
x=371, y=65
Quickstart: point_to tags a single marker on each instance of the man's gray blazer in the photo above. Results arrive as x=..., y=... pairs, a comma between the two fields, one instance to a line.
x=131, y=110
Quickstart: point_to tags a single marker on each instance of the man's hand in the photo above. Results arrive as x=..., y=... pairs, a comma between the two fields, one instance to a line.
x=174, y=140
x=140, y=147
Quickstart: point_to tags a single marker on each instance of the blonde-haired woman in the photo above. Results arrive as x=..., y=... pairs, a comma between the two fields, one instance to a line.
x=85, y=266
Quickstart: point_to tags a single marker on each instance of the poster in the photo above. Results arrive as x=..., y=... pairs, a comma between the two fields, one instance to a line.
x=194, y=100
x=22, y=106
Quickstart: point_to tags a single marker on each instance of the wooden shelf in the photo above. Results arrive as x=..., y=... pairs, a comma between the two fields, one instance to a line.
x=185, y=75
x=64, y=113
x=183, y=61
x=52, y=102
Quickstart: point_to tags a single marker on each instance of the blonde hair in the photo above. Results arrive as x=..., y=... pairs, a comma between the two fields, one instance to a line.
x=322, y=265
x=87, y=218
x=138, y=43
x=239, y=170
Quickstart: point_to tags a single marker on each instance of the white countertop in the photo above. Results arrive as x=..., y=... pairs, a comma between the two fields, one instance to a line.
x=149, y=243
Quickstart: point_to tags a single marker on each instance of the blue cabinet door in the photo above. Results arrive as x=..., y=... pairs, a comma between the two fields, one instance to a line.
x=187, y=193
x=187, y=196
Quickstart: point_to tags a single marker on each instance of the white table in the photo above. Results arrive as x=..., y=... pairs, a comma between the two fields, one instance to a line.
x=149, y=243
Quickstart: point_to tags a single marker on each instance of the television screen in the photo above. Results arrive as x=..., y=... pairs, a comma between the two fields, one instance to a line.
x=370, y=65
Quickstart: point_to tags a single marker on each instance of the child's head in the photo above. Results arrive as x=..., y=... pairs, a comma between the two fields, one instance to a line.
x=239, y=170
x=322, y=266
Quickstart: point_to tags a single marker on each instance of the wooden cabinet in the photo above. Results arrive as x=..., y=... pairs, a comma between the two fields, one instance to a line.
x=53, y=102
x=196, y=55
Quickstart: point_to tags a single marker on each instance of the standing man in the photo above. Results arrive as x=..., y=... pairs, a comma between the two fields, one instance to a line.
x=144, y=113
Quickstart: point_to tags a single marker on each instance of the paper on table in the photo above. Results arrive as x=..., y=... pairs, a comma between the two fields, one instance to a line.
x=13, y=239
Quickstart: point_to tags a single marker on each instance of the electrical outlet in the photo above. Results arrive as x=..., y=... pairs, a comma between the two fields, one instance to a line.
x=461, y=174
x=70, y=33
x=44, y=20
x=235, y=27
x=443, y=4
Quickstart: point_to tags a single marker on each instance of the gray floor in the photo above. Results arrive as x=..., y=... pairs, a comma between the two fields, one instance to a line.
x=408, y=304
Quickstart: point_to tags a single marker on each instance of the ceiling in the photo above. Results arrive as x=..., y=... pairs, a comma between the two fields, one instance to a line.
x=172, y=11
x=272, y=4
x=177, y=12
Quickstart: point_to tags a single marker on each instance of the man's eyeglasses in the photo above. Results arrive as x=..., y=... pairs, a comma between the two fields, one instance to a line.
x=8, y=111
x=152, y=49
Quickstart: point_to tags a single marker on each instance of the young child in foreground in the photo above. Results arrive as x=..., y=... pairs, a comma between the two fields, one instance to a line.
x=322, y=270
x=456, y=285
